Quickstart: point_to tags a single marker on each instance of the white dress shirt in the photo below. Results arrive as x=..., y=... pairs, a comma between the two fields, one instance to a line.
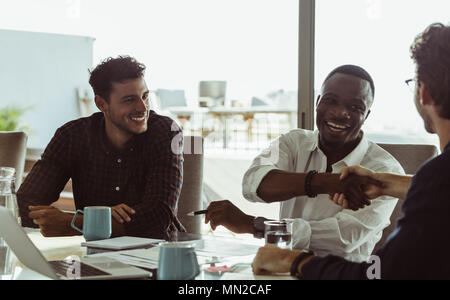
x=319, y=224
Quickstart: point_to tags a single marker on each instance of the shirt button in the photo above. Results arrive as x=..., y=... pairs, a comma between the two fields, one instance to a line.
x=117, y=188
x=119, y=160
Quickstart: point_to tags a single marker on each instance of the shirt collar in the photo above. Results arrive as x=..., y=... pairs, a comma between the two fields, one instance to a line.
x=313, y=143
x=352, y=159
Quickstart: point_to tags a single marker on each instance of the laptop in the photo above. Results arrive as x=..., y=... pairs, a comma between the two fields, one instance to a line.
x=71, y=268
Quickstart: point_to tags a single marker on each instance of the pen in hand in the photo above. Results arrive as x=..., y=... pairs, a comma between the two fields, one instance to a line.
x=196, y=213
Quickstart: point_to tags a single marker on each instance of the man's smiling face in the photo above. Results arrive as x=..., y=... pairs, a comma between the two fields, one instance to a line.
x=342, y=109
x=127, y=109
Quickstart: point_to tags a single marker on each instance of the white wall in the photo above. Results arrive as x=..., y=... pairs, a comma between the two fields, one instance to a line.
x=44, y=71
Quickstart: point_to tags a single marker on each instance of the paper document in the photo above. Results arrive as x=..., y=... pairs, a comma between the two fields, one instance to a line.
x=208, y=251
x=121, y=243
x=225, y=248
x=144, y=258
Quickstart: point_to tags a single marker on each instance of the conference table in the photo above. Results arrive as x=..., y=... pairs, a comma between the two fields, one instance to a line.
x=239, y=256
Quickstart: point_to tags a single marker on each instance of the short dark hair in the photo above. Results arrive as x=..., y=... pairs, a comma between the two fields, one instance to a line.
x=431, y=52
x=354, y=71
x=114, y=70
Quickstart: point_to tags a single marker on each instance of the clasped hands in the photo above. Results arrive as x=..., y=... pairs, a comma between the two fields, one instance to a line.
x=359, y=186
x=54, y=222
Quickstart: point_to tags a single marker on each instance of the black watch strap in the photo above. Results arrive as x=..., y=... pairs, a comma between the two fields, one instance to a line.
x=297, y=261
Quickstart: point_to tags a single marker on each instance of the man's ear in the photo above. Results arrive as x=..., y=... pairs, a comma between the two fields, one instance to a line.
x=101, y=103
x=425, y=96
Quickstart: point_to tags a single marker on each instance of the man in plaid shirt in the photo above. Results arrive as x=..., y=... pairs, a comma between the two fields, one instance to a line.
x=126, y=157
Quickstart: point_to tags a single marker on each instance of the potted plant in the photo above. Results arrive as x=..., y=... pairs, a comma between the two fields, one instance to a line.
x=10, y=119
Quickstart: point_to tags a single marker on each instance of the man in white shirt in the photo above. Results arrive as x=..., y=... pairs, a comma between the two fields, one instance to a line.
x=301, y=167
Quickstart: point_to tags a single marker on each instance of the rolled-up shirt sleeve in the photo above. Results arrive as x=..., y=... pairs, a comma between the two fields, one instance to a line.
x=275, y=157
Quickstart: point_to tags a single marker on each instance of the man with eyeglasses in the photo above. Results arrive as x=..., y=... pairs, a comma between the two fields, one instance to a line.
x=419, y=246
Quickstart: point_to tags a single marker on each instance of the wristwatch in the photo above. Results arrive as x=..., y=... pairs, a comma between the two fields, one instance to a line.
x=258, y=227
x=294, y=267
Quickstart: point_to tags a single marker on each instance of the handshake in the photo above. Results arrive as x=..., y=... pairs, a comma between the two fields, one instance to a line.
x=352, y=189
x=358, y=185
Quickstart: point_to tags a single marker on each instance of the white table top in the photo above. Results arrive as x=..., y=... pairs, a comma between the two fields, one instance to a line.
x=58, y=248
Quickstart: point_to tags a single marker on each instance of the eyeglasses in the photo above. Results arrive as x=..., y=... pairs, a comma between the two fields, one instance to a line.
x=411, y=83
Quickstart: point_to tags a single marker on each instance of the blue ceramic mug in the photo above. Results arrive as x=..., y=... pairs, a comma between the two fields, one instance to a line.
x=177, y=261
x=96, y=222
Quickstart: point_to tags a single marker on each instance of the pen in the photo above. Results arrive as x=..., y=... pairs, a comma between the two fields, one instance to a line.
x=196, y=213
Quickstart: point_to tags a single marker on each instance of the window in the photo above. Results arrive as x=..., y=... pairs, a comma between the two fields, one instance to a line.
x=252, y=45
x=376, y=35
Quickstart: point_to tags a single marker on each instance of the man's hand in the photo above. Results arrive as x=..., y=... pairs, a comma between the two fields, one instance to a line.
x=352, y=187
x=271, y=259
x=372, y=189
x=52, y=221
x=354, y=190
x=228, y=215
x=121, y=213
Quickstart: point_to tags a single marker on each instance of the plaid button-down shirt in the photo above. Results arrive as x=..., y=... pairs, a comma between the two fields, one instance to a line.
x=146, y=176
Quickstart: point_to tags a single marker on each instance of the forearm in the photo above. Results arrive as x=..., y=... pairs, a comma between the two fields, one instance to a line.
x=332, y=268
x=394, y=185
x=24, y=202
x=280, y=185
x=41, y=187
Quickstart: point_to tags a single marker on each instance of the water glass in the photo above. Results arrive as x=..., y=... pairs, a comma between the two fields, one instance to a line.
x=7, y=199
x=278, y=233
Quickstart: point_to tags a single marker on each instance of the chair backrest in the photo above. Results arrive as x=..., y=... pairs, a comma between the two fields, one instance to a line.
x=191, y=191
x=410, y=157
x=13, y=148
x=171, y=98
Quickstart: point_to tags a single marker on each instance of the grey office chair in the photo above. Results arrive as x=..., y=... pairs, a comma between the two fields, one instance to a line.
x=13, y=148
x=410, y=157
x=191, y=191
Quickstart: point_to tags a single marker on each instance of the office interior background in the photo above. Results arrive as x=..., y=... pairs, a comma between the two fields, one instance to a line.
x=249, y=54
